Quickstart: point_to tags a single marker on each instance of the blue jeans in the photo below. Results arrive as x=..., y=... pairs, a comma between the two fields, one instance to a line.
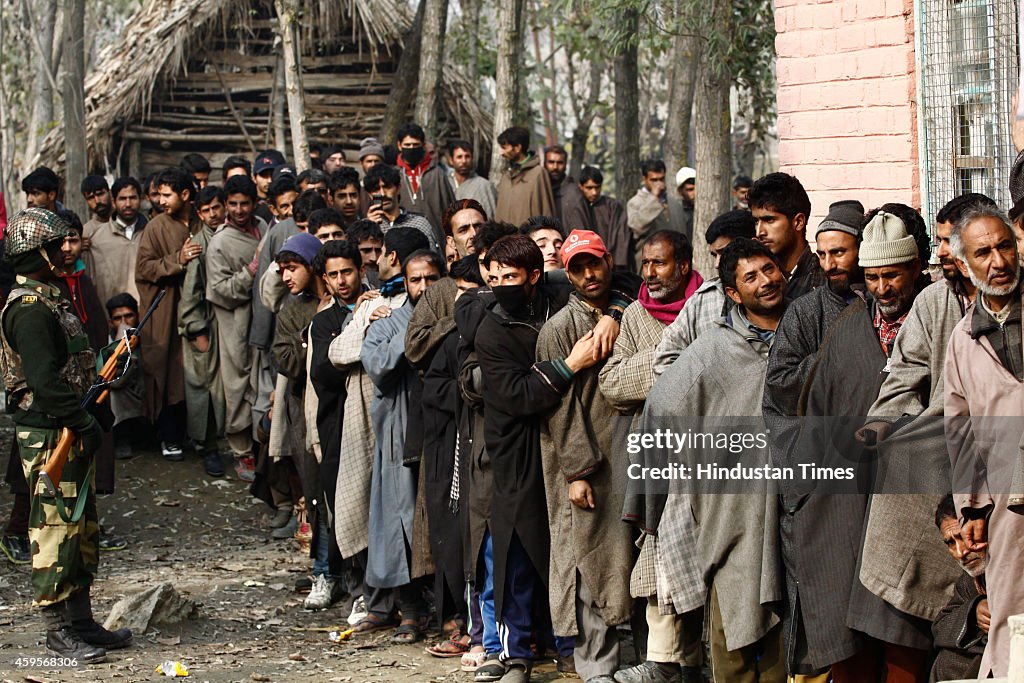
x=320, y=564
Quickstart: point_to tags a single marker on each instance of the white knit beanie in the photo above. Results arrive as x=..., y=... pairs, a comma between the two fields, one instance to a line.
x=886, y=242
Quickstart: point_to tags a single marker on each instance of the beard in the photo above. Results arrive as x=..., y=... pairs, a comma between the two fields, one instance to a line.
x=893, y=310
x=949, y=270
x=840, y=285
x=992, y=290
x=667, y=287
x=974, y=564
x=765, y=302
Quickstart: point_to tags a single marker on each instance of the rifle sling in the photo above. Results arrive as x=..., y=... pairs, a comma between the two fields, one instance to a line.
x=83, y=493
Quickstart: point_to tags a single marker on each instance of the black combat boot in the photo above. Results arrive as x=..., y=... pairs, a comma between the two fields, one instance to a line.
x=80, y=613
x=62, y=641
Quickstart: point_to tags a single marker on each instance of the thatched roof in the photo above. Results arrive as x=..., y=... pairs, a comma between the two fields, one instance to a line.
x=163, y=36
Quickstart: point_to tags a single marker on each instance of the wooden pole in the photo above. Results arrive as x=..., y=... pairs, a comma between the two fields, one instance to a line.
x=74, y=107
x=287, y=11
x=508, y=75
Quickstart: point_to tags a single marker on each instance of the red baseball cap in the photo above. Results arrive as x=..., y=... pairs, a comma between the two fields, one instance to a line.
x=582, y=242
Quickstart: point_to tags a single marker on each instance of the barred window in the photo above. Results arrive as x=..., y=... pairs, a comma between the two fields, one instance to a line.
x=968, y=66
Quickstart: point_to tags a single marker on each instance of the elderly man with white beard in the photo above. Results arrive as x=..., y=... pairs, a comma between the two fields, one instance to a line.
x=985, y=378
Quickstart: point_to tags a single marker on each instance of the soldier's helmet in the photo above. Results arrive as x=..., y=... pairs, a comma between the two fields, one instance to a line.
x=31, y=229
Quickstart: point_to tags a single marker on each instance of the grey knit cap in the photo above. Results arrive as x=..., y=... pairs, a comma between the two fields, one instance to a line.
x=31, y=229
x=886, y=242
x=370, y=146
x=844, y=216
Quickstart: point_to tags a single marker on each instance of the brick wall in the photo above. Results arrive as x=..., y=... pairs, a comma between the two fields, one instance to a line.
x=846, y=100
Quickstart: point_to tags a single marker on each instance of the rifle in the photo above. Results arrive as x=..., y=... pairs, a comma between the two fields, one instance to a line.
x=97, y=394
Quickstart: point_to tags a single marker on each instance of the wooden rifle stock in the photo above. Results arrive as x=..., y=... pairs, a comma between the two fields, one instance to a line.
x=109, y=370
x=53, y=468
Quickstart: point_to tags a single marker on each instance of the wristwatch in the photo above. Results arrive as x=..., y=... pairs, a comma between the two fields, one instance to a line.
x=615, y=314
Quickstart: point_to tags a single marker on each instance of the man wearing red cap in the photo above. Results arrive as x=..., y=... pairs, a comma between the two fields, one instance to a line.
x=591, y=552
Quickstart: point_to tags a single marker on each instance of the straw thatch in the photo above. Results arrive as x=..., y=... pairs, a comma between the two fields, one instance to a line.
x=178, y=64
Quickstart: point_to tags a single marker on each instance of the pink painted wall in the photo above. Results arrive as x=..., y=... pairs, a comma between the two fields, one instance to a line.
x=847, y=122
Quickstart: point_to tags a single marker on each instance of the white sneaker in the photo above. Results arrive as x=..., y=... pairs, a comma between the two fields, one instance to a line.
x=358, y=611
x=321, y=595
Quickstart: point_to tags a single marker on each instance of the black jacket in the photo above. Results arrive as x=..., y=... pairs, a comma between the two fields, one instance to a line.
x=517, y=392
x=959, y=641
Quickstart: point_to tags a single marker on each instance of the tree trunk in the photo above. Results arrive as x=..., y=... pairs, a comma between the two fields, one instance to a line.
x=470, y=24
x=287, y=10
x=685, y=55
x=76, y=166
x=712, y=127
x=403, y=85
x=508, y=77
x=435, y=21
x=7, y=181
x=277, y=107
x=585, y=120
x=627, y=114
x=42, y=19
x=547, y=100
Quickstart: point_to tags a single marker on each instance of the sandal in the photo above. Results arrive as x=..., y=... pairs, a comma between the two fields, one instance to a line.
x=471, y=661
x=410, y=631
x=453, y=647
x=491, y=670
x=371, y=623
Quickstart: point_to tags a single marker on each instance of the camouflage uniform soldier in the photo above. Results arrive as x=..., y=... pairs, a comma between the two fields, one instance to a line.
x=47, y=367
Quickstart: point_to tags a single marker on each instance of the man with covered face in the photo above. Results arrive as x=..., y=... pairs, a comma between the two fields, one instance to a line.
x=425, y=187
x=519, y=392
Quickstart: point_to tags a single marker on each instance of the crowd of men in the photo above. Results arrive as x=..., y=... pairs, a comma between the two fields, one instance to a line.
x=428, y=374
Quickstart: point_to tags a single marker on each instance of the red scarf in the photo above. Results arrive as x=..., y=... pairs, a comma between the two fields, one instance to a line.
x=666, y=313
x=74, y=281
x=413, y=174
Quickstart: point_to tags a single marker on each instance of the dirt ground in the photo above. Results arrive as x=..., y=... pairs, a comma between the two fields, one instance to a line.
x=207, y=537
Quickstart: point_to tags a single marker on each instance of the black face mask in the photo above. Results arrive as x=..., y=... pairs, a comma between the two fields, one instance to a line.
x=413, y=156
x=513, y=299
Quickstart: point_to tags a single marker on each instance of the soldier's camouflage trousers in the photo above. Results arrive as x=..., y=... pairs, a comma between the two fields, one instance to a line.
x=64, y=556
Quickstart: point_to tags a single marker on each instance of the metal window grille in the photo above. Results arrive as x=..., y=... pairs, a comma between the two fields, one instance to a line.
x=968, y=66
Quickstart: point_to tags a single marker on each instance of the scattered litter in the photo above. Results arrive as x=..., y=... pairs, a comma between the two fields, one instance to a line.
x=232, y=566
x=297, y=657
x=259, y=677
x=253, y=584
x=172, y=669
x=339, y=636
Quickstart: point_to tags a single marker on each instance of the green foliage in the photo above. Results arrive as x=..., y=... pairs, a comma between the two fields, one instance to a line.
x=751, y=59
